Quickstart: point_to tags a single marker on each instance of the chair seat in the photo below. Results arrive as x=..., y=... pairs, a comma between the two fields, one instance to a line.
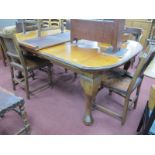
x=117, y=79
x=8, y=101
x=35, y=62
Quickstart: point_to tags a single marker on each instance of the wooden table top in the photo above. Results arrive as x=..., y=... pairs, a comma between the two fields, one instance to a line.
x=86, y=58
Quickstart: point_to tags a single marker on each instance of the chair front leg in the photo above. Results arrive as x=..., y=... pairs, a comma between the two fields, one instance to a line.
x=125, y=109
x=23, y=115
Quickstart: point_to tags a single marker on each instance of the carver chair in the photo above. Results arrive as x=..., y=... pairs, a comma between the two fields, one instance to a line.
x=124, y=84
x=23, y=63
x=131, y=33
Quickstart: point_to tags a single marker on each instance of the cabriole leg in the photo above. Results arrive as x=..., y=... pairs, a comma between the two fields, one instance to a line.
x=90, y=85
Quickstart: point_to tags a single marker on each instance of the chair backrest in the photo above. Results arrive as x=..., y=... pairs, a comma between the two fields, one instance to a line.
x=135, y=32
x=29, y=25
x=55, y=22
x=12, y=50
x=46, y=23
x=51, y=23
x=146, y=58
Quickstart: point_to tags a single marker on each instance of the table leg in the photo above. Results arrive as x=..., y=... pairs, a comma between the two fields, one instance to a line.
x=90, y=86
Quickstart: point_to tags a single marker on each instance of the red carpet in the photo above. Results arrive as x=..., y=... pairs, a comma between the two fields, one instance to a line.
x=59, y=110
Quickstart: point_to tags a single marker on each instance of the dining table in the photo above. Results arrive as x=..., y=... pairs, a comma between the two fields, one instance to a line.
x=86, y=58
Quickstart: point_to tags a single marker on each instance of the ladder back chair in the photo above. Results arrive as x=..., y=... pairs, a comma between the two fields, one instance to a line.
x=25, y=64
x=124, y=83
x=24, y=25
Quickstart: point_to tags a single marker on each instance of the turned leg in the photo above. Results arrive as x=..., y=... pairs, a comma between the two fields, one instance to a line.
x=23, y=115
x=90, y=85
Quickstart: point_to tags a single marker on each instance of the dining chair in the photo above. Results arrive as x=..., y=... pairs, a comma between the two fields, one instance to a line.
x=24, y=63
x=124, y=84
x=46, y=22
x=131, y=33
x=51, y=23
x=55, y=23
x=24, y=25
x=147, y=123
x=10, y=102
